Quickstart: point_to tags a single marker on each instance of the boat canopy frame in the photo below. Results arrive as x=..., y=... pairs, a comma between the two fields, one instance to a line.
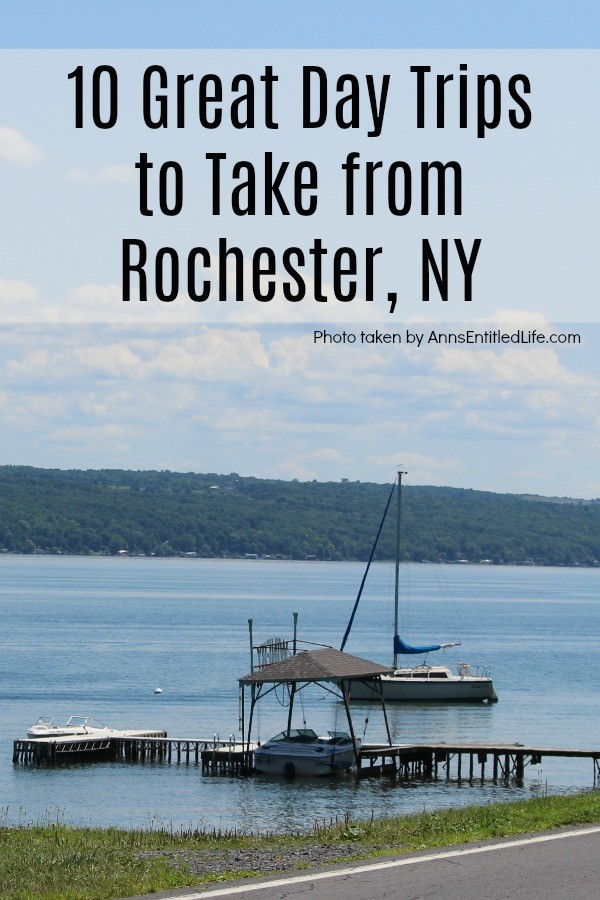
x=324, y=667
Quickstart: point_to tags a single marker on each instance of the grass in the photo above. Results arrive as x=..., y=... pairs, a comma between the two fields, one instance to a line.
x=58, y=862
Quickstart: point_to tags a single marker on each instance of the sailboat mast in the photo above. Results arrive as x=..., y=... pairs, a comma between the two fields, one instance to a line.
x=397, y=574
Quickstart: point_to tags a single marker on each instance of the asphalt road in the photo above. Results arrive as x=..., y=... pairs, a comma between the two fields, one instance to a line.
x=553, y=865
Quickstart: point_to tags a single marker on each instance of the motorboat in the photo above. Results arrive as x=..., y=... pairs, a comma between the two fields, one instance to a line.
x=421, y=683
x=45, y=727
x=301, y=752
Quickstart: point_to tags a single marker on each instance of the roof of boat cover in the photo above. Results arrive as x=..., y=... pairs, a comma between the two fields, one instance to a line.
x=317, y=665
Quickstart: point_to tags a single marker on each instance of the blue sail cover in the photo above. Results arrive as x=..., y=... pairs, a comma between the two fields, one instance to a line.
x=401, y=647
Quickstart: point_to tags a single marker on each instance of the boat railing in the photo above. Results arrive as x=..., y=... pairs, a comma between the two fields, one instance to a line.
x=483, y=671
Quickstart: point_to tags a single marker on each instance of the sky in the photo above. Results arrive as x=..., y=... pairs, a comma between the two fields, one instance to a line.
x=303, y=390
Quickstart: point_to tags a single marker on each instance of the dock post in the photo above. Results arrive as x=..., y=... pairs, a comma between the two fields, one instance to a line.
x=428, y=765
x=482, y=759
x=345, y=690
x=519, y=766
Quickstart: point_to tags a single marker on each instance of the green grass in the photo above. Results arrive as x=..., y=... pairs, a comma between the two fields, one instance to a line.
x=57, y=862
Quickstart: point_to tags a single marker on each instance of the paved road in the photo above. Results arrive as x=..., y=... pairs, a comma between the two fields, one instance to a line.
x=555, y=865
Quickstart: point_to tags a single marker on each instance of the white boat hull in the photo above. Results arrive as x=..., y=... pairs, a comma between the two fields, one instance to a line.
x=450, y=689
x=304, y=754
x=293, y=766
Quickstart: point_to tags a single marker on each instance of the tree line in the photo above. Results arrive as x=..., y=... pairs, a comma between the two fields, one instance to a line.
x=111, y=511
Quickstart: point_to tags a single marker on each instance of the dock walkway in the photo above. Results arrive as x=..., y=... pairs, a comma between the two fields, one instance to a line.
x=214, y=754
x=464, y=761
x=460, y=761
x=132, y=745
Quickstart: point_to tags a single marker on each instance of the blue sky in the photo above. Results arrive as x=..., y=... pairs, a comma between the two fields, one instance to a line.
x=310, y=23
x=82, y=385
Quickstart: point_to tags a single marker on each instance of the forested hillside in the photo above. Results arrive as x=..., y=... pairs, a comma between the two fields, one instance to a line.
x=169, y=513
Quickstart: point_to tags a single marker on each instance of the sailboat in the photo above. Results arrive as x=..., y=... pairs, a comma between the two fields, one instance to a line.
x=423, y=682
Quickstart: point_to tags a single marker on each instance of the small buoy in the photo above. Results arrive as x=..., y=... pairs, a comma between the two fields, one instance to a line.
x=158, y=690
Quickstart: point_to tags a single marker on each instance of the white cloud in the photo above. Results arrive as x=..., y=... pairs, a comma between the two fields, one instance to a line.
x=15, y=291
x=326, y=454
x=110, y=435
x=16, y=149
x=292, y=469
x=520, y=318
x=486, y=424
x=515, y=366
x=420, y=468
x=34, y=363
x=233, y=395
x=115, y=174
x=91, y=303
x=31, y=412
x=118, y=360
x=214, y=355
x=93, y=405
x=240, y=419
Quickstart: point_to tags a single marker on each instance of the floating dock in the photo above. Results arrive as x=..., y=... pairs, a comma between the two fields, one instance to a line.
x=51, y=751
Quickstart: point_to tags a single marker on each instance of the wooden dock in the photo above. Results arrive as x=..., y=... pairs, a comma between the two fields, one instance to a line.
x=463, y=762
x=214, y=754
x=406, y=762
x=52, y=751
x=412, y=762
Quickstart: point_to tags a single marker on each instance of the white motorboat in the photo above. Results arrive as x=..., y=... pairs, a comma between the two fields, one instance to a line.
x=421, y=683
x=300, y=751
x=45, y=727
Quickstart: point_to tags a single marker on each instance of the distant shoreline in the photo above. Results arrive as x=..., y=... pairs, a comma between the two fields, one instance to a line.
x=191, y=557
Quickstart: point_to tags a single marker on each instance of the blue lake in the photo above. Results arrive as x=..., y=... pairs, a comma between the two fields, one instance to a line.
x=95, y=636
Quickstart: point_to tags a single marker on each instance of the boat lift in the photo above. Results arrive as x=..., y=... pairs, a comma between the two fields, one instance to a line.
x=331, y=669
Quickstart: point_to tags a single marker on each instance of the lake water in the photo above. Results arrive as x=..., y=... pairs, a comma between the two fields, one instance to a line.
x=95, y=636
